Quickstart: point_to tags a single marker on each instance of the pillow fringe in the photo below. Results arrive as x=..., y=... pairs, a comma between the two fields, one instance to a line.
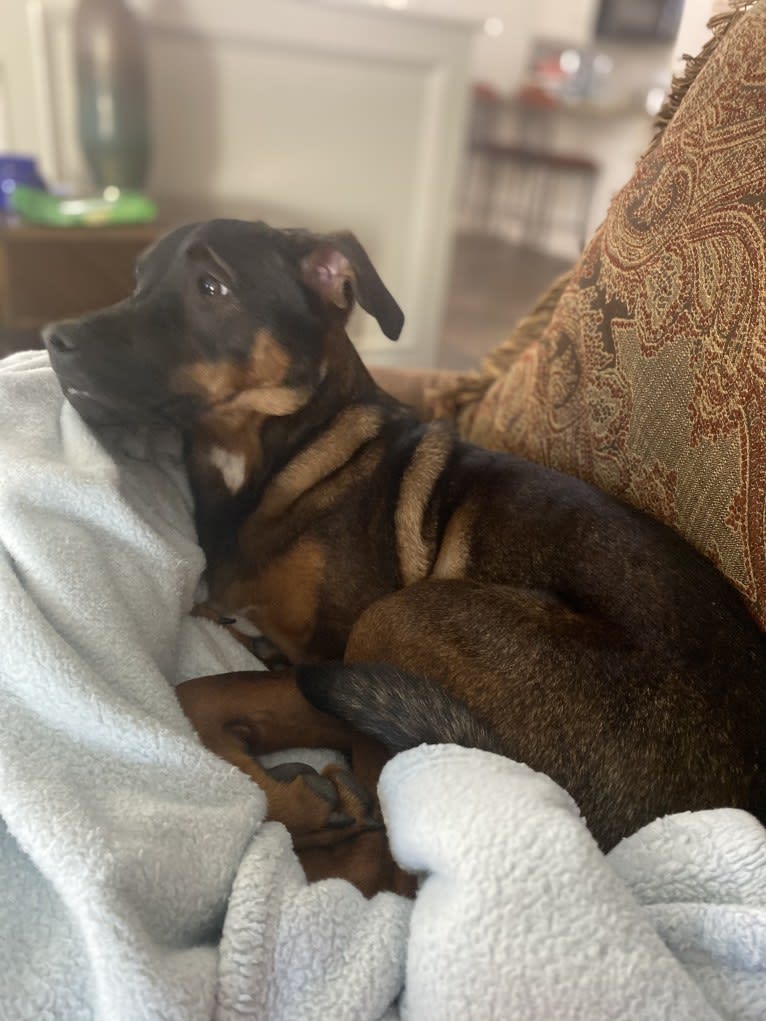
x=718, y=25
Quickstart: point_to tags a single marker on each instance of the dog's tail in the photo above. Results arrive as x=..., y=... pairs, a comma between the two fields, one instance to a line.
x=401, y=710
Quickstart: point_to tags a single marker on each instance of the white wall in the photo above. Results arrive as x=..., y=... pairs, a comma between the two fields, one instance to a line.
x=693, y=32
x=500, y=60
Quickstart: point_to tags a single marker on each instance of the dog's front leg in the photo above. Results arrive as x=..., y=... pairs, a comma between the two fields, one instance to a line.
x=241, y=716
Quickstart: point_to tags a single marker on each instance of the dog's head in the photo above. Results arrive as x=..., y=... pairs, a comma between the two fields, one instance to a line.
x=227, y=317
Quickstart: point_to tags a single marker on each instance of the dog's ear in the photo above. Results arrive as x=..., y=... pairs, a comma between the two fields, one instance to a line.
x=340, y=271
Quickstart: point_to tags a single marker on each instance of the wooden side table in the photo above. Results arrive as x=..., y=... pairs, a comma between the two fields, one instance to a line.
x=49, y=273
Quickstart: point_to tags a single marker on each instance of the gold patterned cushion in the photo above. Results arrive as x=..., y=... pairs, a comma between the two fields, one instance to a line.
x=644, y=370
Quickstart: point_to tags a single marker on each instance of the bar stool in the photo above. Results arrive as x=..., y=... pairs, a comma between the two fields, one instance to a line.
x=520, y=181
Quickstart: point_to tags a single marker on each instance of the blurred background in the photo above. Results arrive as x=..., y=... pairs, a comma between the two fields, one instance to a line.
x=472, y=145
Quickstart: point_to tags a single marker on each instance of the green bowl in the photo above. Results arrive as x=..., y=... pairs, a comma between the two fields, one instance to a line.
x=123, y=207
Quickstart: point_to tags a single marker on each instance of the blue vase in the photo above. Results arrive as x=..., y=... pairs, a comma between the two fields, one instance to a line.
x=112, y=94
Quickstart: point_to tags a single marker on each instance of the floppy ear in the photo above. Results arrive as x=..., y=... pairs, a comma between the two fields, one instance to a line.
x=339, y=270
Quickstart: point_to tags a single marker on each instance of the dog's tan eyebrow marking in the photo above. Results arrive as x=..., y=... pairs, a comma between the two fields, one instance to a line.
x=351, y=429
x=414, y=552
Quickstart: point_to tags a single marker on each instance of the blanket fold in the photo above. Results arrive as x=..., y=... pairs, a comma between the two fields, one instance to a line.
x=123, y=836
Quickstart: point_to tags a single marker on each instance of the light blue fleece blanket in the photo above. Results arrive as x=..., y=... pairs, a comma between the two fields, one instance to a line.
x=139, y=881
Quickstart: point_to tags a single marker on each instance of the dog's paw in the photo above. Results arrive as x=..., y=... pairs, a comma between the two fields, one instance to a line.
x=320, y=809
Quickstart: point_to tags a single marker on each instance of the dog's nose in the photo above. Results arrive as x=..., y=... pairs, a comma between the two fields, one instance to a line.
x=59, y=337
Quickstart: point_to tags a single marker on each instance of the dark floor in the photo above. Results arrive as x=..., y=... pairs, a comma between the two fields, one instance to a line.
x=493, y=285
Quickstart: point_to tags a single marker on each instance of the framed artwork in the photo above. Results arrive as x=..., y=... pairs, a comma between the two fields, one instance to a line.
x=639, y=20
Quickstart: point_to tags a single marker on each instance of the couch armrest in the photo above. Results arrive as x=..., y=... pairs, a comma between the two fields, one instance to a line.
x=416, y=387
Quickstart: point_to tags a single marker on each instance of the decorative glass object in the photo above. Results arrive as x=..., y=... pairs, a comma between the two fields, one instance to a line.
x=113, y=94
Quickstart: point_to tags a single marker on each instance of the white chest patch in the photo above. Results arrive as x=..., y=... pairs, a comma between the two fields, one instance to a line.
x=231, y=465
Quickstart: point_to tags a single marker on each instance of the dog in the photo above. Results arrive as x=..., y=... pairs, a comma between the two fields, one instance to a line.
x=427, y=589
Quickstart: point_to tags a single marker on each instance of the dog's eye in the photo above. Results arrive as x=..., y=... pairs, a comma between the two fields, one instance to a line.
x=210, y=287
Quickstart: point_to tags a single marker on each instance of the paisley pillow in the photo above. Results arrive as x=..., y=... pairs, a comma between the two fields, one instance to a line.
x=644, y=369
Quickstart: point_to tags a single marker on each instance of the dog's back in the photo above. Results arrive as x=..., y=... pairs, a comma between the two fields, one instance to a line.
x=570, y=631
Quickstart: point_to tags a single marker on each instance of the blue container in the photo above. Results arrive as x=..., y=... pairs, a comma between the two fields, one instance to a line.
x=15, y=170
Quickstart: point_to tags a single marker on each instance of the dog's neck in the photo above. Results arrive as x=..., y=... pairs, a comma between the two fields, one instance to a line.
x=232, y=459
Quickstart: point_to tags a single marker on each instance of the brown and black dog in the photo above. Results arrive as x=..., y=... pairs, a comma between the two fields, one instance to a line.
x=474, y=597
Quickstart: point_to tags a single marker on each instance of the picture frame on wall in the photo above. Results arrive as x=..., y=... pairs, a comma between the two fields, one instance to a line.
x=639, y=20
